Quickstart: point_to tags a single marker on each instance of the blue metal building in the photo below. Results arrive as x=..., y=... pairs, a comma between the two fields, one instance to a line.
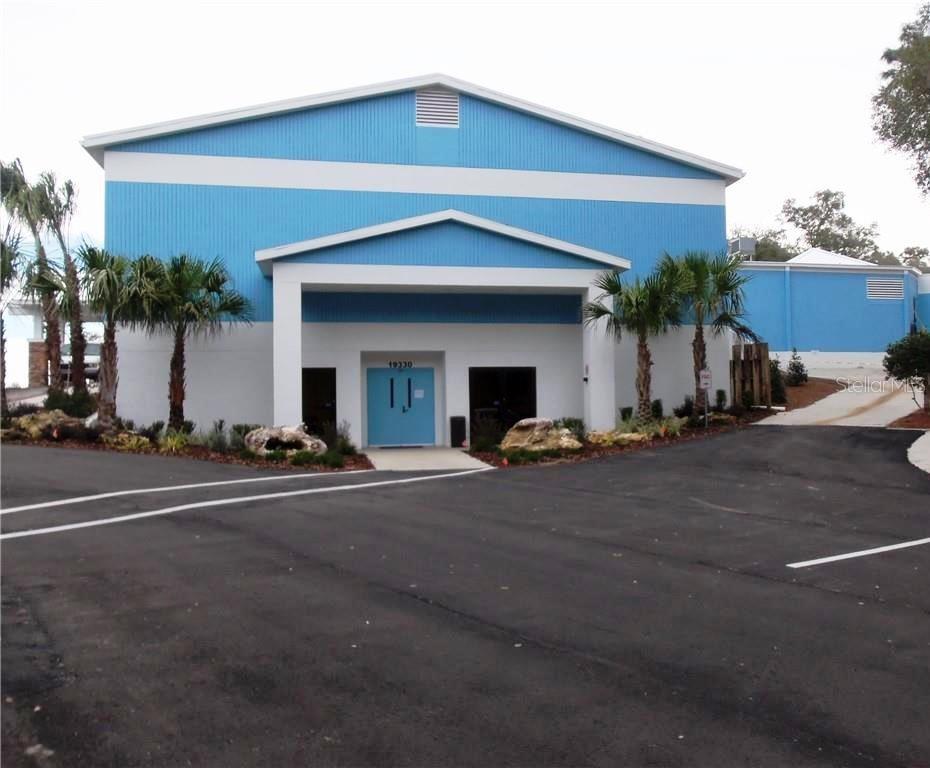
x=414, y=250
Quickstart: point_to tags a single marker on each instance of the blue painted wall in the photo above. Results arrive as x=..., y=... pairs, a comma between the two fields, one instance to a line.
x=825, y=311
x=234, y=222
x=923, y=310
x=325, y=307
x=383, y=130
x=447, y=244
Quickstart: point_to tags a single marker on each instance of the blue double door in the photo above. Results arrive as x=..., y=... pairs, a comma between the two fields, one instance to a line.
x=401, y=406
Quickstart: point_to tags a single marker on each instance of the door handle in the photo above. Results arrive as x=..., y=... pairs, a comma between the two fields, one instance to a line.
x=392, y=391
x=409, y=399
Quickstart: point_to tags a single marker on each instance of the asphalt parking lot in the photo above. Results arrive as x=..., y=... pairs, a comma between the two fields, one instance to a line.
x=632, y=611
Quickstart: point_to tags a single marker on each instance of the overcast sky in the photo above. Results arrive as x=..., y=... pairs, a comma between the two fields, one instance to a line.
x=781, y=90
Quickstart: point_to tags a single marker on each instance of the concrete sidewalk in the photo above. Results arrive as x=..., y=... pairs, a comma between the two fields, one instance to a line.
x=919, y=453
x=867, y=400
x=405, y=459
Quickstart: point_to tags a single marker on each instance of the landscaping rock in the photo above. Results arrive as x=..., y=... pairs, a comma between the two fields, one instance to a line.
x=614, y=437
x=287, y=439
x=37, y=425
x=538, y=434
x=127, y=441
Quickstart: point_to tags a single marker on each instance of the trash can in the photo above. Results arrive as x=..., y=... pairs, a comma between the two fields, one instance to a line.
x=457, y=431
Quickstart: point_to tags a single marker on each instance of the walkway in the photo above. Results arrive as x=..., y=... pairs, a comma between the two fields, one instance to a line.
x=868, y=400
x=407, y=459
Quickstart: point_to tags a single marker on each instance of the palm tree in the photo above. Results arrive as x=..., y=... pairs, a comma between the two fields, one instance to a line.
x=10, y=259
x=57, y=205
x=105, y=281
x=644, y=307
x=22, y=201
x=711, y=291
x=187, y=298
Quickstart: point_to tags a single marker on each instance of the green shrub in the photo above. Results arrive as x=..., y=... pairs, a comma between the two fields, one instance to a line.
x=574, y=425
x=237, y=433
x=626, y=413
x=686, y=409
x=216, y=439
x=797, y=371
x=173, y=442
x=524, y=456
x=124, y=425
x=908, y=360
x=486, y=433
x=779, y=396
x=721, y=402
x=747, y=400
x=187, y=427
x=332, y=459
x=276, y=455
x=337, y=438
x=127, y=441
x=247, y=454
x=303, y=458
x=81, y=404
x=152, y=431
x=656, y=409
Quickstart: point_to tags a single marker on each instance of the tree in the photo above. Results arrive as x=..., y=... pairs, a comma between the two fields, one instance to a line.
x=57, y=205
x=644, y=307
x=187, y=298
x=10, y=261
x=711, y=291
x=915, y=256
x=105, y=280
x=901, y=108
x=22, y=201
x=771, y=244
x=825, y=224
x=908, y=360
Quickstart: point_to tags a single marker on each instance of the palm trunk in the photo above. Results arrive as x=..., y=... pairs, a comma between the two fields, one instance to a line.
x=78, y=342
x=699, y=353
x=927, y=395
x=176, y=382
x=644, y=377
x=4, y=408
x=109, y=377
x=50, y=316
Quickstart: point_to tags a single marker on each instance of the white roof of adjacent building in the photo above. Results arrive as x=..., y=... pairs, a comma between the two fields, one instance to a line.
x=827, y=258
x=96, y=143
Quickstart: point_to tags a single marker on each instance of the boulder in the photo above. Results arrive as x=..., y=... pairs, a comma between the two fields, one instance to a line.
x=288, y=439
x=615, y=437
x=538, y=434
x=44, y=423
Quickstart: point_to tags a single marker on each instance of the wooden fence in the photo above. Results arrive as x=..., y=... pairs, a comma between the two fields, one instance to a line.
x=750, y=372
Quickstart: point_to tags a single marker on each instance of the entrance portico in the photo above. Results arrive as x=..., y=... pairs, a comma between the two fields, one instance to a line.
x=485, y=295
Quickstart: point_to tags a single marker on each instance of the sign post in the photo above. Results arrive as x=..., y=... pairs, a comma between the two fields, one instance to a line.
x=705, y=383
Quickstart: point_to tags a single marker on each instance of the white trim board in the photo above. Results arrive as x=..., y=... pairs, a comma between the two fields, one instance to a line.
x=268, y=254
x=96, y=143
x=863, y=268
x=164, y=168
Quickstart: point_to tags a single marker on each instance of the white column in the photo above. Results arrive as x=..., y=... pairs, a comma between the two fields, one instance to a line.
x=600, y=394
x=287, y=351
x=350, y=389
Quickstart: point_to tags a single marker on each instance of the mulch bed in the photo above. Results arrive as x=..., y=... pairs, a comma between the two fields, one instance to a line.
x=919, y=419
x=811, y=392
x=590, y=451
x=202, y=453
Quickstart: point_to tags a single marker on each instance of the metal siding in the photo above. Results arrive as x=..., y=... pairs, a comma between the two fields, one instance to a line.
x=923, y=310
x=234, y=222
x=824, y=311
x=448, y=244
x=326, y=307
x=383, y=130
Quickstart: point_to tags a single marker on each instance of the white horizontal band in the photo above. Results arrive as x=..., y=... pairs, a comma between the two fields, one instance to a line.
x=156, y=167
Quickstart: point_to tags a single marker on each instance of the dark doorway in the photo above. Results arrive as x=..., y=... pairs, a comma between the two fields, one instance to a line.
x=505, y=395
x=319, y=398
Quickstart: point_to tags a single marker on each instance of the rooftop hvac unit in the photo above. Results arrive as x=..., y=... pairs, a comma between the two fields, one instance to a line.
x=743, y=248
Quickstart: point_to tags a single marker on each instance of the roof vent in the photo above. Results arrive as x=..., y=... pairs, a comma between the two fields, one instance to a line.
x=437, y=107
x=877, y=288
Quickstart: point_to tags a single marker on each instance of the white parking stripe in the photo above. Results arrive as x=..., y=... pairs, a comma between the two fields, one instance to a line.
x=860, y=553
x=164, y=488
x=236, y=500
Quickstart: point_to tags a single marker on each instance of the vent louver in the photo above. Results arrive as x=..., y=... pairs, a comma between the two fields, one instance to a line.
x=877, y=288
x=437, y=107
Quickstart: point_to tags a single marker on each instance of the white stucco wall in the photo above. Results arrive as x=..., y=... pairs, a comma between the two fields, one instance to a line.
x=673, y=367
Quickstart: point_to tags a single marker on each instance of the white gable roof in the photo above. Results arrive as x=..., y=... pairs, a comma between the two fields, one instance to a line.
x=96, y=143
x=265, y=256
x=820, y=256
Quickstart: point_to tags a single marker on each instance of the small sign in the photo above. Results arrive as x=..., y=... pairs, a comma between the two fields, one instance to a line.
x=705, y=380
x=418, y=394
